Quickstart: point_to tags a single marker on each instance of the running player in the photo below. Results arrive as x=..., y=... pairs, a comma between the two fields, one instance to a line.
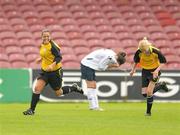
x=51, y=72
x=151, y=60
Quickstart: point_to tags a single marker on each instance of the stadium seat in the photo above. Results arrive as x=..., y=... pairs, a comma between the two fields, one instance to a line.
x=112, y=15
x=91, y=35
x=104, y=28
x=3, y=57
x=19, y=64
x=30, y=50
x=23, y=2
x=17, y=57
x=5, y=64
x=71, y=65
x=27, y=42
x=5, y=28
x=100, y=21
x=71, y=28
x=13, y=49
x=63, y=14
x=117, y=21
x=67, y=50
x=84, y=21
x=81, y=50
x=96, y=43
x=112, y=43
x=88, y=28
x=80, y=15
x=74, y=35
x=79, y=43
x=31, y=57
x=76, y=8
x=43, y=8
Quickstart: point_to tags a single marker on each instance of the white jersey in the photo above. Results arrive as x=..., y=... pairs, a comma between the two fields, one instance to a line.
x=99, y=59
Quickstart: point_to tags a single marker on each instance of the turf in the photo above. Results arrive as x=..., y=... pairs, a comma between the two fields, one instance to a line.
x=76, y=119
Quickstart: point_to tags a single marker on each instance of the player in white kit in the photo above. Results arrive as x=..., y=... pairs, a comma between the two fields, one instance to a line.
x=98, y=60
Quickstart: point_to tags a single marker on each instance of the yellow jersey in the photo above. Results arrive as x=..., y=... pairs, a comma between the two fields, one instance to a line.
x=50, y=53
x=150, y=61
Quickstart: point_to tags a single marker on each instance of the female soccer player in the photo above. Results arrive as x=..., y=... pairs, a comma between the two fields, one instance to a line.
x=99, y=60
x=151, y=60
x=51, y=72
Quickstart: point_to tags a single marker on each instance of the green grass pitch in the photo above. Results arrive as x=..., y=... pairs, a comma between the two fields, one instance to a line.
x=76, y=119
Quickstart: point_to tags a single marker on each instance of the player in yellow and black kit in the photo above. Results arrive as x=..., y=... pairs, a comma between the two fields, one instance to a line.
x=151, y=60
x=51, y=72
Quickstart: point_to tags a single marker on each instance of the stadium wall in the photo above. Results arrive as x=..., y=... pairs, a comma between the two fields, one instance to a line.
x=16, y=86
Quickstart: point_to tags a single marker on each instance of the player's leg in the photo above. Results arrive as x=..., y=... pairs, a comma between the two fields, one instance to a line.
x=150, y=99
x=55, y=81
x=88, y=74
x=39, y=86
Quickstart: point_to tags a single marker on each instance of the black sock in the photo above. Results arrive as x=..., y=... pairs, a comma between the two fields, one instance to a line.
x=68, y=89
x=149, y=104
x=34, y=101
x=157, y=87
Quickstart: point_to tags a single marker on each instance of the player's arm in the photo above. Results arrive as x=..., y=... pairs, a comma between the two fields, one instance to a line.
x=57, y=57
x=136, y=61
x=38, y=60
x=162, y=61
x=111, y=66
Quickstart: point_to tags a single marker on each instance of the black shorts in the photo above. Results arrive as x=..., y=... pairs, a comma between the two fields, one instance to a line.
x=147, y=76
x=54, y=78
x=88, y=73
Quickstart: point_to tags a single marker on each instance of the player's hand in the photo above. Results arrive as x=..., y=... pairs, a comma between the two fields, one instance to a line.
x=132, y=72
x=49, y=68
x=155, y=74
x=38, y=60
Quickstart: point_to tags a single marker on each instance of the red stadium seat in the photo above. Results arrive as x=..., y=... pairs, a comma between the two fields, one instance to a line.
x=81, y=50
x=5, y=64
x=23, y=2
x=63, y=15
x=104, y=28
x=88, y=28
x=91, y=35
x=120, y=28
x=96, y=43
x=112, y=15
x=79, y=43
x=5, y=28
x=80, y=15
x=43, y=8
x=19, y=64
x=112, y=43
x=3, y=57
x=71, y=28
x=30, y=50
x=77, y=8
x=17, y=57
x=31, y=57
x=93, y=8
x=24, y=35
x=71, y=65
x=67, y=50
x=84, y=21
x=13, y=49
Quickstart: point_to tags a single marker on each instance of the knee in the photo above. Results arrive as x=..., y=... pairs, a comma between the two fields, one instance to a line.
x=37, y=90
x=149, y=93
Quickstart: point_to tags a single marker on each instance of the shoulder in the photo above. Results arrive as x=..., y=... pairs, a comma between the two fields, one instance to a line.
x=155, y=50
x=55, y=45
